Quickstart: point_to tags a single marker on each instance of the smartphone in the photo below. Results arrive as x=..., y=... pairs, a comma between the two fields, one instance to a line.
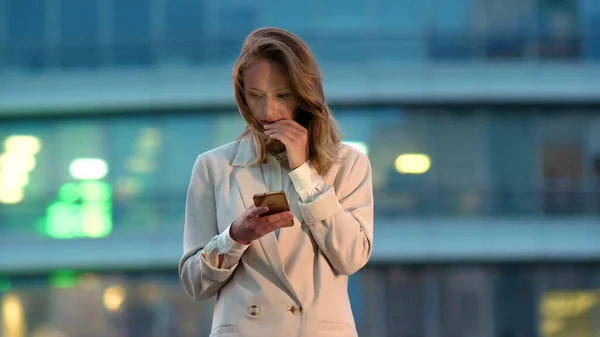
x=304, y=118
x=276, y=201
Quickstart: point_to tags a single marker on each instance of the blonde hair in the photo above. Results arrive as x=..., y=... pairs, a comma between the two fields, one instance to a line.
x=297, y=62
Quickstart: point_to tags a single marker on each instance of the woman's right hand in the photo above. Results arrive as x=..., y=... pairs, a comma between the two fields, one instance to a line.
x=249, y=226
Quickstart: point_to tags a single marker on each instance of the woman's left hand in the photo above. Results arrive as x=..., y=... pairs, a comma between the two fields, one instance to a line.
x=295, y=138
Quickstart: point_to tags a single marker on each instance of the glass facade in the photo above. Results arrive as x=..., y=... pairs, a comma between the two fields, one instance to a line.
x=131, y=172
x=73, y=34
x=436, y=301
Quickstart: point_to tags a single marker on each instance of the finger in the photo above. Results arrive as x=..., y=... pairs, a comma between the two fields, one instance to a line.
x=280, y=223
x=293, y=128
x=292, y=124
x=287, y=125
x=256, y=211
x=270, y=219
x=291, y=134
x=267, y=224
x=285, y=139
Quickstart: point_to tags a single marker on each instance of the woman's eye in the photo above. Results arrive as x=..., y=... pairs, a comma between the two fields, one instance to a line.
x=254, y=95
x=284, y=96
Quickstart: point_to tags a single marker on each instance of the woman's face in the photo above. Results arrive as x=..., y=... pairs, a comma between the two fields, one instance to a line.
x=268, y=93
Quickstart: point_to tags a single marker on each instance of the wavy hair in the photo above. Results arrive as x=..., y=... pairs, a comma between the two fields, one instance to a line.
x=298, y=63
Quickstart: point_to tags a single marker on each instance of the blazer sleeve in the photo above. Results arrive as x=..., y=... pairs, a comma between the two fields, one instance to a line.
x=206, y=264
x=342, y=223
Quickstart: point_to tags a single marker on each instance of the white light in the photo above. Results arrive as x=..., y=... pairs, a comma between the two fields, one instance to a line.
x=88, y=168
x=15, y=164
x=23, y=144
x=410, y=163
x=360, y=146
x=113, y=298
x=10, y=181
x=12, y=196
x=13, y=318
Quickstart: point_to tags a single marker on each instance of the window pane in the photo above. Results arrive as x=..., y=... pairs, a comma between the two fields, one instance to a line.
x=296, y=16
x=185, y=30
x=131, y=35
x=593, y=166
x=507, y=27
x=191, y=135
x=235, y=22
x=513, y=162
x=562, y=158
x=404, y=191
x=515, y=304
x=461, y=162
x=26, y=33
x=452, y=36
x=465, y=297
x=591, y=11
x=340, y=15
x=406, y=302
x=27, y=19
x=569, y=304
x=79, y=33
x=559, y=29
x=398, y=30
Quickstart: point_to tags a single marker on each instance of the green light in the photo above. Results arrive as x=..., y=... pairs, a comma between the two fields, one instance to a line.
x=96, y=219
x=4, y=283
x=83, y=210
x=69, y=193
x=91, y=190
x=64, y=279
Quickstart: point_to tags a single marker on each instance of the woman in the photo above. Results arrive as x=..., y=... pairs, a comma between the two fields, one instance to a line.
x=270, y=280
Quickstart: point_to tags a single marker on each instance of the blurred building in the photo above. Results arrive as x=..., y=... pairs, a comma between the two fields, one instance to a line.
x=481, y=119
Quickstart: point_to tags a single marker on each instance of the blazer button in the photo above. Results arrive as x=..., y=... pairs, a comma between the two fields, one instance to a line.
x=296, y=310
x=253, y=310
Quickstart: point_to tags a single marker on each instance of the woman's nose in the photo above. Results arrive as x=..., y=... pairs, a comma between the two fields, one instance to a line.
x=269, y=109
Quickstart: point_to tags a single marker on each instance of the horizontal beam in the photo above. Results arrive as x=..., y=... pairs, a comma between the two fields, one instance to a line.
x=396, y=241
x=172, y=87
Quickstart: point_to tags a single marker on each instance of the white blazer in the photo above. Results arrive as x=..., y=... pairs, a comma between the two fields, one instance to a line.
x=294, y=286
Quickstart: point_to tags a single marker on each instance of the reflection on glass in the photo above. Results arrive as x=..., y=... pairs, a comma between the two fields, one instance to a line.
x=113, y=298
x=411, y=163
x=568, y=313
x=456, y=301
x=4, y=283
x=64, y=279
x=88, y=168
x=13, y=320
x=83, y=209
x=132, y=172
x=17, y=160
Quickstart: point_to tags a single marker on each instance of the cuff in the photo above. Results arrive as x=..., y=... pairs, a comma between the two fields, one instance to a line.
x=323, y=207
x=213, y=273
x=227, y=245
x=306, y=180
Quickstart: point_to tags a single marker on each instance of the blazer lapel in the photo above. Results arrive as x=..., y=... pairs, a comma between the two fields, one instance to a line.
x=250, y=181
x=289, y=235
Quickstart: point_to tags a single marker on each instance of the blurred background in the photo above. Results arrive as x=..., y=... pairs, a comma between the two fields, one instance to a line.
x=481, y=119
